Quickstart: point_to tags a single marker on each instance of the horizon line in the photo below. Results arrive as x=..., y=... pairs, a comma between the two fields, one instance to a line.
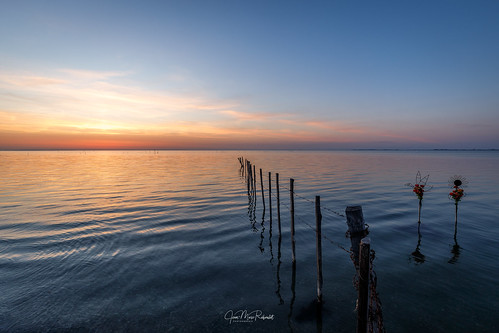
x=249, y=149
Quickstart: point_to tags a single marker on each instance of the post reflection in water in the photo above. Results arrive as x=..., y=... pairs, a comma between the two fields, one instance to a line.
x=456, y=249
x=278, y=291
x=293, y=293
x=252, y=207
x=260, y=246
x=318, y=306
x=252, y=210
x=270, y=241
x=311, y=312
x=417, y=256
x=420, y=258
x=263, y=215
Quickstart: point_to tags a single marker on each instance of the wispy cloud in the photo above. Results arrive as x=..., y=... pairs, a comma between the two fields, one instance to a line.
x=72, y=99
x=76, y=102
x=92, y=75
x=28, y=81
x=243, y=116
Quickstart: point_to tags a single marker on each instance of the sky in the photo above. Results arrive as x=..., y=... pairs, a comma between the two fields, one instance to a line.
x=249, y=74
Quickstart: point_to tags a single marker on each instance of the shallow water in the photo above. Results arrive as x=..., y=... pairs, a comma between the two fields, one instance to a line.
x=168, y=241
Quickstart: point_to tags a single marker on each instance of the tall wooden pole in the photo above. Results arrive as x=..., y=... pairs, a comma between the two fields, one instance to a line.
x=318, y=222
x=248, y=174
x=261, y=184
x=251, y=175
x=292, y=210
x=363, y=305
x=254, y=180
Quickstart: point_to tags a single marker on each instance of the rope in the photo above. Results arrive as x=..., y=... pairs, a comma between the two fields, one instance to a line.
x=308, y=200
x=298, y=218
x=311, y=227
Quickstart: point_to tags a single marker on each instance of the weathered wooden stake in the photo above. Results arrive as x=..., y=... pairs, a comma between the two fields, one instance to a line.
x=363, y=305
x=292, y=210
x=318, y=234
x=356, y=228
x=254, y=179
x=270, y=196
x=248, y=176
x=261, y=184
x=278, y=203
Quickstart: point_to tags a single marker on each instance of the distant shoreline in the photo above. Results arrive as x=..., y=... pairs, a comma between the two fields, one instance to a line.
x=283, y=149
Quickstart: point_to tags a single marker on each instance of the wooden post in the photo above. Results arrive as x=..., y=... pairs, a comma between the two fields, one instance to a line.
x=254, y=180
x=292, y=210
x=270, y=196
x=261, y=184
x=248, y=175
x=364, y=271
x=318, y=234
x=356, y=228
x=278, y=203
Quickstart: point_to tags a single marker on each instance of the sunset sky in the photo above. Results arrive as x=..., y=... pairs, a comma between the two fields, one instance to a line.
x=249, y=74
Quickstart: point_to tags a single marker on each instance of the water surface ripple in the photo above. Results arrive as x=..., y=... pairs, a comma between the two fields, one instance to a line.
x=170, y=241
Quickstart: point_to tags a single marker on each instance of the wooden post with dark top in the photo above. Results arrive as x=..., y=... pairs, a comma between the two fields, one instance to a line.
x=292, y=211
x=356, y=228
x=318, y=233
x=278, y=203
x=364, y=271
x=261, y=184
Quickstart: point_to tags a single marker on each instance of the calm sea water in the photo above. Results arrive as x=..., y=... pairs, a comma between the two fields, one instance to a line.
x=169, y=241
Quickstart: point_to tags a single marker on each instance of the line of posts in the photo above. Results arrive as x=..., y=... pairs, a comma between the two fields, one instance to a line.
x=356, y=228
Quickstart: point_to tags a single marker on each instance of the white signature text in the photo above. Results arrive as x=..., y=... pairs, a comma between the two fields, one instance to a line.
x=245, y=316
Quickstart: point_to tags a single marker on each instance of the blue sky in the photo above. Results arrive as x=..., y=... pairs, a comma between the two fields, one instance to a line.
x=249, y=74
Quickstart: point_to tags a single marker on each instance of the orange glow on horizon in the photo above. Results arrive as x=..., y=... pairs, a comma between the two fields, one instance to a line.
x=76, y=109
